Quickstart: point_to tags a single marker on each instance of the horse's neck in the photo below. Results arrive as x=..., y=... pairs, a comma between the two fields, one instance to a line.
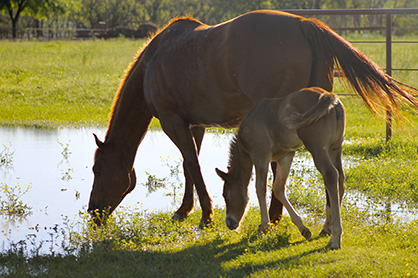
x=130, y=118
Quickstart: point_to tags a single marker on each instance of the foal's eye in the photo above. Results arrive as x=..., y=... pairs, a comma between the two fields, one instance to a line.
x=96, y=171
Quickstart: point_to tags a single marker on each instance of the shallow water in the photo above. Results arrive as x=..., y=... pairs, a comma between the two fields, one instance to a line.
x=57, y=164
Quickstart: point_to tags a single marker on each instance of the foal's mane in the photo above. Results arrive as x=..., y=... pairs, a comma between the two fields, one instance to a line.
x=232, y=149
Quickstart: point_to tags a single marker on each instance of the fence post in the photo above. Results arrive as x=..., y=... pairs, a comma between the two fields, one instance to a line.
x=388, y=71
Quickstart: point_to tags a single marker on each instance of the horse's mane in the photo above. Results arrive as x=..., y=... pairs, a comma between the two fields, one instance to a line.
x=186, y=19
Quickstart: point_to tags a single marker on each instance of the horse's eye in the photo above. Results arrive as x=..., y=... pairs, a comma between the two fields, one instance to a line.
x=225, y=195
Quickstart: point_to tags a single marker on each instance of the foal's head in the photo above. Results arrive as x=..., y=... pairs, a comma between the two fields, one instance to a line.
x=236, y=198
x=235, y=191
x=112, y=182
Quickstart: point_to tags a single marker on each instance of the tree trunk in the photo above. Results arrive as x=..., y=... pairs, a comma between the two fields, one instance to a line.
x=14, y=27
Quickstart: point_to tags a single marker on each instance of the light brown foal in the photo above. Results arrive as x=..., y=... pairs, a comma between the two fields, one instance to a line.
x=272, y=131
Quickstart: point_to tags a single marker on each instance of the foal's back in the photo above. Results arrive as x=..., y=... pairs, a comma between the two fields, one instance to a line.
x=312, y=117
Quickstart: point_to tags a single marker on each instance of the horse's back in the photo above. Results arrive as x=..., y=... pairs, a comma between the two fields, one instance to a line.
x=194, y=67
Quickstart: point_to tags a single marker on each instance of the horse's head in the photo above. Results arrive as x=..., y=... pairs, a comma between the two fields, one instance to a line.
x=113, y=180
x=236, y=198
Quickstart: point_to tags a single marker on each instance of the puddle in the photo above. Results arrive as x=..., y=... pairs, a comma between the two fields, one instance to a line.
x=57, y=166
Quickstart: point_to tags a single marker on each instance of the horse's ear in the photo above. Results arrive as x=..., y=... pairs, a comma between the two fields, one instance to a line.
x=221, y=174
x=98, y=142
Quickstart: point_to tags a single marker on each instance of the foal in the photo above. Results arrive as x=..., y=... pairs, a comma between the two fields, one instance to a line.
x=272, y=131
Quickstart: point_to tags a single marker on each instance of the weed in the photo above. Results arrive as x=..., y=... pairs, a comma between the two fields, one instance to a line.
x=154, y=183
x=65, y=149
x=10, y=203
x=6, y=156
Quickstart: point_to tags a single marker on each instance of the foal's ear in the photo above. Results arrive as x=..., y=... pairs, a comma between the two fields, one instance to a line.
x=221, y=174
x=98, y=142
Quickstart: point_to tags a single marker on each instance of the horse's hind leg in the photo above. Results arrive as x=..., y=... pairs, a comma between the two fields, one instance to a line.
x=188, y=199
x=336, y=157
x=276, y=207
x=179, y=132
x=279, y=189
x=331, y=179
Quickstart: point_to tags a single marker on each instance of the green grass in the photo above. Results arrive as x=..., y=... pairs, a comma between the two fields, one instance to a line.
x=73, y=83
x=61, y=83
x=136, y=244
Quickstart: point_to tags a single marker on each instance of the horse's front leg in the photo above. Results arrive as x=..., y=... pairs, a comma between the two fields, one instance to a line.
x=188, y=199
x=279, y=189
x=179, y=132
x=261, y=171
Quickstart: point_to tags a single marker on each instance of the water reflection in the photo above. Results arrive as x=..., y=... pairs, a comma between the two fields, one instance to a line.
x=57, y=163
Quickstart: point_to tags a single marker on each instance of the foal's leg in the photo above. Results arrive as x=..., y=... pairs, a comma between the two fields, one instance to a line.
x=336, y=157
x=279, y=188
x=330, y=174
x=261, y=171
x=276, y=207
x=179, y=132
x=188, y=199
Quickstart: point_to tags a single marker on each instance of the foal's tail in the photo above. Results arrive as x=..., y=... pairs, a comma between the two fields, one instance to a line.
x=325, y=103
x=374, y=86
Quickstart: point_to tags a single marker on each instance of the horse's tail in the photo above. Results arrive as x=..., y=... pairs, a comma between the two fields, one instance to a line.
x=374, y=86
x=325, y=103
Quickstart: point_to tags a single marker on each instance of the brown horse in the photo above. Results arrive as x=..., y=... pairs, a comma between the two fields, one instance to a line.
x=272, y=131
x=191, y=76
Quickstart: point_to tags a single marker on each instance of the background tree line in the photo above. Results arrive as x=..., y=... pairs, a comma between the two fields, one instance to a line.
x=88, y=13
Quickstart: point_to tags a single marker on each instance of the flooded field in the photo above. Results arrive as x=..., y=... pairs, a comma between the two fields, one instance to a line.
x=56, y=165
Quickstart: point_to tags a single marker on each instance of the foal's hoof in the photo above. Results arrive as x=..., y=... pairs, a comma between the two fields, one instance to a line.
x=264, y=229
x=325, y=232
x=306, y=233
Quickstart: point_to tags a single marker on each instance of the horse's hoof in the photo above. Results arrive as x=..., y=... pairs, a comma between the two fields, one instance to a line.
x=179, y=216
x=306, y=233
x=204, y=223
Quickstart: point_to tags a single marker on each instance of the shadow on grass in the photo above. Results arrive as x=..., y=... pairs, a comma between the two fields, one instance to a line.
x=216, y=258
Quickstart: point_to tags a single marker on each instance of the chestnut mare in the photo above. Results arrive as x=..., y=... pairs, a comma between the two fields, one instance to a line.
x=191, y=76
x=272, y=131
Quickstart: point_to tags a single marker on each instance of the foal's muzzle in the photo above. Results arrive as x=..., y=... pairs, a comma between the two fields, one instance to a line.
x=231, y=223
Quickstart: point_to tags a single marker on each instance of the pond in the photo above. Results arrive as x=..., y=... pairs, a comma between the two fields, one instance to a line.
x=56, y=164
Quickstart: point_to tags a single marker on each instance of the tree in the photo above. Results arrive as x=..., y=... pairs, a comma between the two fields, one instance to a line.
x=15, y=8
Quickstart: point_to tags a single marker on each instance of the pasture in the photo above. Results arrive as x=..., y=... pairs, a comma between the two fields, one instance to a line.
x=53, y=84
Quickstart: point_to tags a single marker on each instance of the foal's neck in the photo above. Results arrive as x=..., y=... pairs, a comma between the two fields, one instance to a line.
x=240, y=163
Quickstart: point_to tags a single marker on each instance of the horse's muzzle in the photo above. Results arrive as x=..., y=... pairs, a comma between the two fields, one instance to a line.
x=99, y=215
x=231, y=223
